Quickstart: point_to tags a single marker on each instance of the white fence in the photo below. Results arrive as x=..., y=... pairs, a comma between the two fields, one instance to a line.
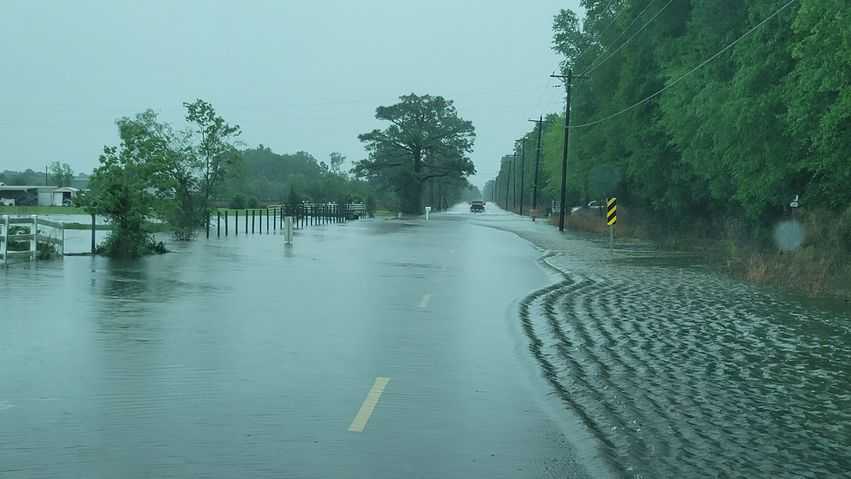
x=33, y=231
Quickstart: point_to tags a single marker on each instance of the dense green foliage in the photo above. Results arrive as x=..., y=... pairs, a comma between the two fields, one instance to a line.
x=765, y=120
x=422, y=154
x=157, y=171
x=26, y=177
x=60, y=174
x=263, y=176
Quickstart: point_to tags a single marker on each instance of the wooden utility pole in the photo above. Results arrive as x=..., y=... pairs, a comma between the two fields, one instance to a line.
x=540, y=125
x=568, y=80
x=522, y=173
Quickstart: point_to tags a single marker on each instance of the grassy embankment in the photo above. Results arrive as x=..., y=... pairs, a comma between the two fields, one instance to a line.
x=819, y=267
x=66, y=210
x=42, y=210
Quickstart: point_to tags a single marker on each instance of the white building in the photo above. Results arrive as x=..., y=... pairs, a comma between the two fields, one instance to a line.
x=37, y=195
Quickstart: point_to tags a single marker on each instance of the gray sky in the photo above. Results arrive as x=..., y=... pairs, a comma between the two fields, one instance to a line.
x=296, y=75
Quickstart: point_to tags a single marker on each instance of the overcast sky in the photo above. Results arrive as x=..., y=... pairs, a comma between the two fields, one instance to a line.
x=296, y=75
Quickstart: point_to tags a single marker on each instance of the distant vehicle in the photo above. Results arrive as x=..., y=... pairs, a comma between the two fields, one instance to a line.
x=477, y=207
x=592, y=206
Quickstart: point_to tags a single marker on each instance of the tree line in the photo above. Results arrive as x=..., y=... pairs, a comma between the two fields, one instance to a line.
x=179, y=174
x=701, y=110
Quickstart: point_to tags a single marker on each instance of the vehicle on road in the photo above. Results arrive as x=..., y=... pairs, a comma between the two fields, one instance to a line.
x=593, y=207
x=477, y=207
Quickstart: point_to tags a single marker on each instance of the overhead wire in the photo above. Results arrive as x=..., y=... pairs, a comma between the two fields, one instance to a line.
x=686, y=74
x=593, y=67
x=617, y=39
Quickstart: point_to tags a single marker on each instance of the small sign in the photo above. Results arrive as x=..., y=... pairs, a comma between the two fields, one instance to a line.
x=612, y=211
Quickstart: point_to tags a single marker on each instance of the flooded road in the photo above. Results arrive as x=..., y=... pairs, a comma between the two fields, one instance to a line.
x=679, y=372
x=241, y=358
x=481, y=346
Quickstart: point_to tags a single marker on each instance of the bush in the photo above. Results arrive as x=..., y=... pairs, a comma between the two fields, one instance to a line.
x=120, y=246
x=237, y=203
x=44, y=250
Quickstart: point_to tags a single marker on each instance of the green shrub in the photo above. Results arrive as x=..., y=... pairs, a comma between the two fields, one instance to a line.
x=237, y=202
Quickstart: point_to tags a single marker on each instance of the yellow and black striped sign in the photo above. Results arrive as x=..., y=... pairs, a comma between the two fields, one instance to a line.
x=612, y=211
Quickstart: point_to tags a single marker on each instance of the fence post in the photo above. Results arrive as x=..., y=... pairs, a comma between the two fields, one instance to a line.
x=226, y=223
x=218, y=224
x=208, y=224
x=62, y=239
x=94, y=247
x=246, y=221
x=34, y=240
x=236, y=222
x=5, y=248
x=288, y=232
x=275, y=223
x=253, y=214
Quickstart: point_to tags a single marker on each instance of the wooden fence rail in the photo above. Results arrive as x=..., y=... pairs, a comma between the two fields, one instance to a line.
x=36, y=233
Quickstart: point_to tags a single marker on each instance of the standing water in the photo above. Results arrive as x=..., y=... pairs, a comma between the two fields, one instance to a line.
x=680, y=372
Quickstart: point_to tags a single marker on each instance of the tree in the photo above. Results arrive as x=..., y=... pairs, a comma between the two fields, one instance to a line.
x=60, y=173
x=426, y=139
x=215, y=149
x=119, y=190
x=171, y=170
x=337, y=160
x=293, y=200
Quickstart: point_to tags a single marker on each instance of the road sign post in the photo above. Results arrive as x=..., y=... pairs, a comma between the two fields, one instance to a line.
x=288, y=230
x=612, y=218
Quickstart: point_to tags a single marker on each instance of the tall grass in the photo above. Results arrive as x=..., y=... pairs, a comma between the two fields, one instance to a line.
x=820, y=266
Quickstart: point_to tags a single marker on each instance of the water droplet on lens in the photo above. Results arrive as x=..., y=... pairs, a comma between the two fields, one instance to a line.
x=789, y=235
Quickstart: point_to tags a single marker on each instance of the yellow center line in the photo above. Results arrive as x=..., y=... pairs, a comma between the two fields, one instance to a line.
x=372, y=397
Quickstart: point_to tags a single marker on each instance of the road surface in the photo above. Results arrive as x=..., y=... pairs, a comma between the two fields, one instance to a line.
x=380, y=349
x=471, y=346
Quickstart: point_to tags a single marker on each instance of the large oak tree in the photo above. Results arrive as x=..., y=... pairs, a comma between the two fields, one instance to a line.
x=426, y=140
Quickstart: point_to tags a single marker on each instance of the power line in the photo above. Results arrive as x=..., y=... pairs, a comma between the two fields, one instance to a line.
x=683, y=76
x=625, y=43
x=611, y=25
x=624, y=32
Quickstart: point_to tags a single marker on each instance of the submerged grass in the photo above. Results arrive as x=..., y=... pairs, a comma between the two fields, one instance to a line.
x=42, y=210
x=818, y=266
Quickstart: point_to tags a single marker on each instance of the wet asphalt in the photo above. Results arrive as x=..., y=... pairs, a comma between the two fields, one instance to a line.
x=241, y=357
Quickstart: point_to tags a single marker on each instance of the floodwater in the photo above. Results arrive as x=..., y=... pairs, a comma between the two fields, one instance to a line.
x=511, y=351
x=241, y=357
x=680, y=372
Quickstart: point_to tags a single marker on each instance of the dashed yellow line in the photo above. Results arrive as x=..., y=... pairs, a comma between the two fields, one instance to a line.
x=368, y=406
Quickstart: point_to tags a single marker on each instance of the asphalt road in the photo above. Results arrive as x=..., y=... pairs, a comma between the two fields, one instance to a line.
x=380, y=349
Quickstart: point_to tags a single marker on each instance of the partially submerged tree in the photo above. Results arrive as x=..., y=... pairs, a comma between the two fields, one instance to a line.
x=215, y=149
x=171, y=169
x=426, y=139
x=157, y=171
x=119, y=190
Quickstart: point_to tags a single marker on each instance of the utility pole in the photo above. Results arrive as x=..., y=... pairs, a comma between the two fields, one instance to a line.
x=522, y=173
x=508, y=187
x=540, y=124
x=514, y=181
x=568, y=80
